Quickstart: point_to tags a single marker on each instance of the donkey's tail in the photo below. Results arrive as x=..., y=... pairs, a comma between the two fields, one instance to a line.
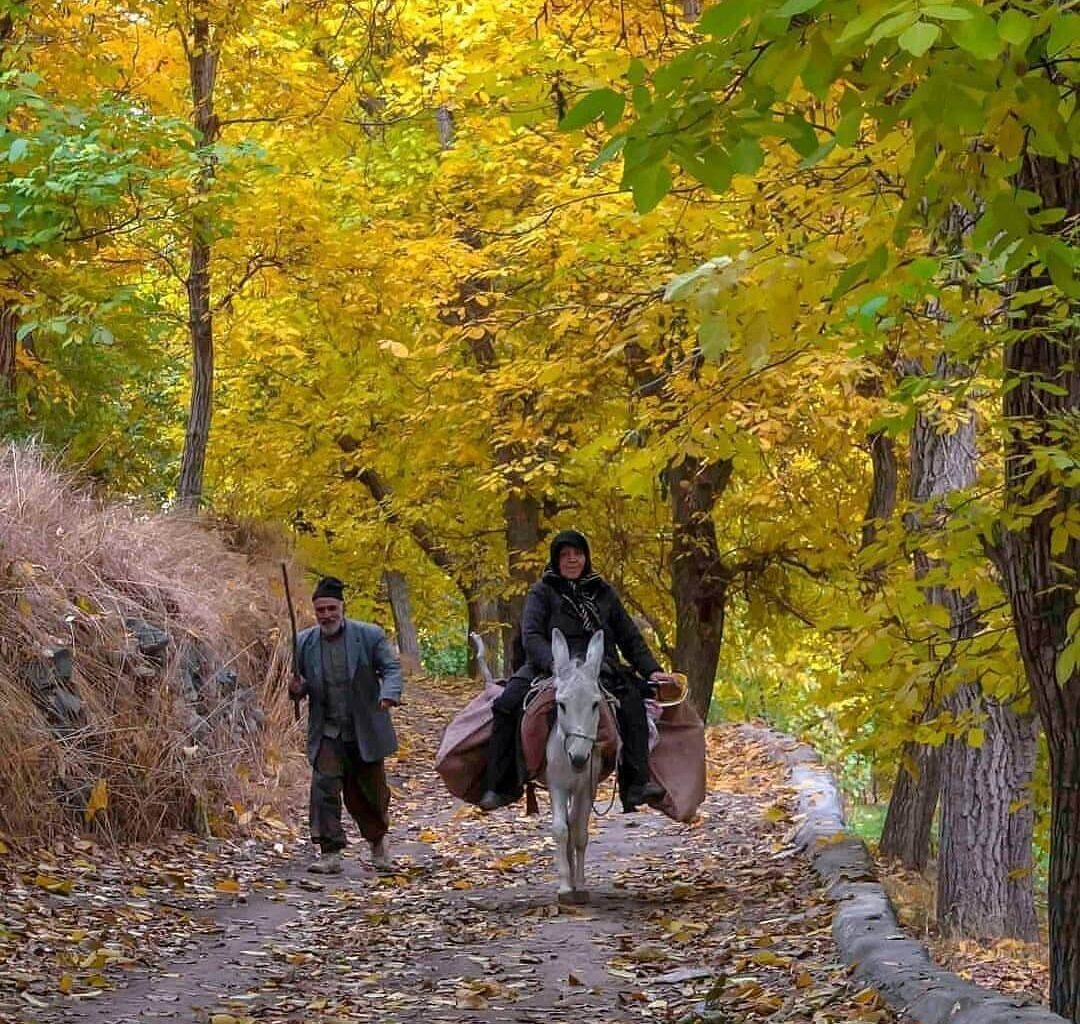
x=481, y=659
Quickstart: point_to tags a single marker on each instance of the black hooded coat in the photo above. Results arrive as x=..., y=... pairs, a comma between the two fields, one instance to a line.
x=578, y=608
x=554, y=602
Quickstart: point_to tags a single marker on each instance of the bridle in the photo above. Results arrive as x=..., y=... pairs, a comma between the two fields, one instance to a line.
x=594, y=743
x=567, y=736
x=571, y=735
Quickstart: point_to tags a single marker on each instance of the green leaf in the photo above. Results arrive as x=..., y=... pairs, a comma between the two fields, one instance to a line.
x=17, y=150
x=635, y=74
x=847, y=279
x=878, y=653
x=747, y=156
x=684, y=285
x=725, y=18
x=1066, y=664
x=818, y=155
x=799, y=133
x=757, y=338
x=818, y=74
x=1060, y=261
x=1064, y=33
x=925, y=268
x=866, y=21
x=1014, y=27
x=714, y=337
x=606, y=103
x=847, y=130
x=793, y=7
x=611, y=149
x=649, y=186
x=892, y=27
x=1009, y=215
x=919, y=38
x=876, y=262
x=946, y=12
x=978, y=35
x=712, y=167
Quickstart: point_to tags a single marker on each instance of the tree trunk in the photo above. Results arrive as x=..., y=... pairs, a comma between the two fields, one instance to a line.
x=521, y=510
x=985, y=886
x=9, y=322
x=202, y=64
x=906, y=834
x=9, y=325
x=882, y=501
x=444, y=126
x=484, y=620
x=397, y=591
x=936, y=467
x=1041, y=580
x=521, y=513
x=698, y=582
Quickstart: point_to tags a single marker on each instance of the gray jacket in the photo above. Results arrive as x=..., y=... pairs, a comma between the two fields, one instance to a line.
x=376, y=675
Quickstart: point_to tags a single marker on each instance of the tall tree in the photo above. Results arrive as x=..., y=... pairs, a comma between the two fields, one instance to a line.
x=974, y=129
x=201, y=49
x=1039, y=547
x=699, y=582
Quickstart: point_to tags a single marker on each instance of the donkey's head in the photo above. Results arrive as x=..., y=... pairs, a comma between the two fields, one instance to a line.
x=577, y=697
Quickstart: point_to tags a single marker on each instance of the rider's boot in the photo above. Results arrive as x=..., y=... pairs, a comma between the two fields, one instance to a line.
x=643, y=794
x=492, y=801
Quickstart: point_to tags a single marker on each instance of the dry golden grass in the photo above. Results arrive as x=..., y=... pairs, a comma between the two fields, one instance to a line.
x=72, y=570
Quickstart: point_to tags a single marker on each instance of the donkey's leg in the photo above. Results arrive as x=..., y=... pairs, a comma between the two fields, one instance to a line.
x=579, y=834
x=560, y=831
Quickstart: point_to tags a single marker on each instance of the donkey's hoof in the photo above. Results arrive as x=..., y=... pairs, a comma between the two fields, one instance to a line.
x=574, y=897
x=581, y=897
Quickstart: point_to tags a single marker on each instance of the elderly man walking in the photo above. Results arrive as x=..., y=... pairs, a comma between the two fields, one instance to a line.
x=351, y=677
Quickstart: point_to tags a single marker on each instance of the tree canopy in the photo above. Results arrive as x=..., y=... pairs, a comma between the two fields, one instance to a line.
x=736, y=289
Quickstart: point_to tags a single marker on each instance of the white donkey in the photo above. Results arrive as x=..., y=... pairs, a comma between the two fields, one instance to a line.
x=573, y=760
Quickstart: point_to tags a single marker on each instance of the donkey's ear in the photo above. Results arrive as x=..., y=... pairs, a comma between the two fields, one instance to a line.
x=560, y=653
x=595, y=655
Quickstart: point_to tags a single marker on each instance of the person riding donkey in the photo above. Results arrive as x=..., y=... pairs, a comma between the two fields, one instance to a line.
x=572, y=597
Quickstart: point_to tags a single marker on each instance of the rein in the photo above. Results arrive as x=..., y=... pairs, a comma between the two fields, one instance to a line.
x=592, y=750
x=612, y=702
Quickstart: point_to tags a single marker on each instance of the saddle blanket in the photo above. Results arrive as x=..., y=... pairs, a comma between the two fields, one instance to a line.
x=536, y=725
x=676, y=762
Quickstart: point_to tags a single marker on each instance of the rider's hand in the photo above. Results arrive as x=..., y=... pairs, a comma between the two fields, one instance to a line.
x=297, y=687
x=386, y=704
x=663, y=677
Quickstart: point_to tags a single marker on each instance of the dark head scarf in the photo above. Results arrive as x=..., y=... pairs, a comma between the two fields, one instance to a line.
x=579, y=595
x=329, y=586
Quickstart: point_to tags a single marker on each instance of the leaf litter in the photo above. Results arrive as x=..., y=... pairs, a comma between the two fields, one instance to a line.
x=713, y=921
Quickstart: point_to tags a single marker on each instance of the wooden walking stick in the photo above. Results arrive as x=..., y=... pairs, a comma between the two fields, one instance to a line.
x=292, y=622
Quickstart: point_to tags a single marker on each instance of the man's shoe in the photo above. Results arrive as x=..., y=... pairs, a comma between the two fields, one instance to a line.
x=327, y=864
x=492, y=801
x=380, y=854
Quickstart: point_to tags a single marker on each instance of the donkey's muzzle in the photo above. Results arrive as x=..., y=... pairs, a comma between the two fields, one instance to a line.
x=579, y=761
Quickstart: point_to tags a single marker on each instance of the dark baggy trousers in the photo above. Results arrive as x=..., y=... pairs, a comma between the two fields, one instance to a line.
x=504, y=774
x=340, y=772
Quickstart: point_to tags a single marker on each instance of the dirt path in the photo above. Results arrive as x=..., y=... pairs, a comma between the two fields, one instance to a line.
x=715, y=921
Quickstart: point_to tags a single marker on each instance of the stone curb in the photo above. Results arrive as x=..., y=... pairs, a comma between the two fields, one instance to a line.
x=865, y=928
